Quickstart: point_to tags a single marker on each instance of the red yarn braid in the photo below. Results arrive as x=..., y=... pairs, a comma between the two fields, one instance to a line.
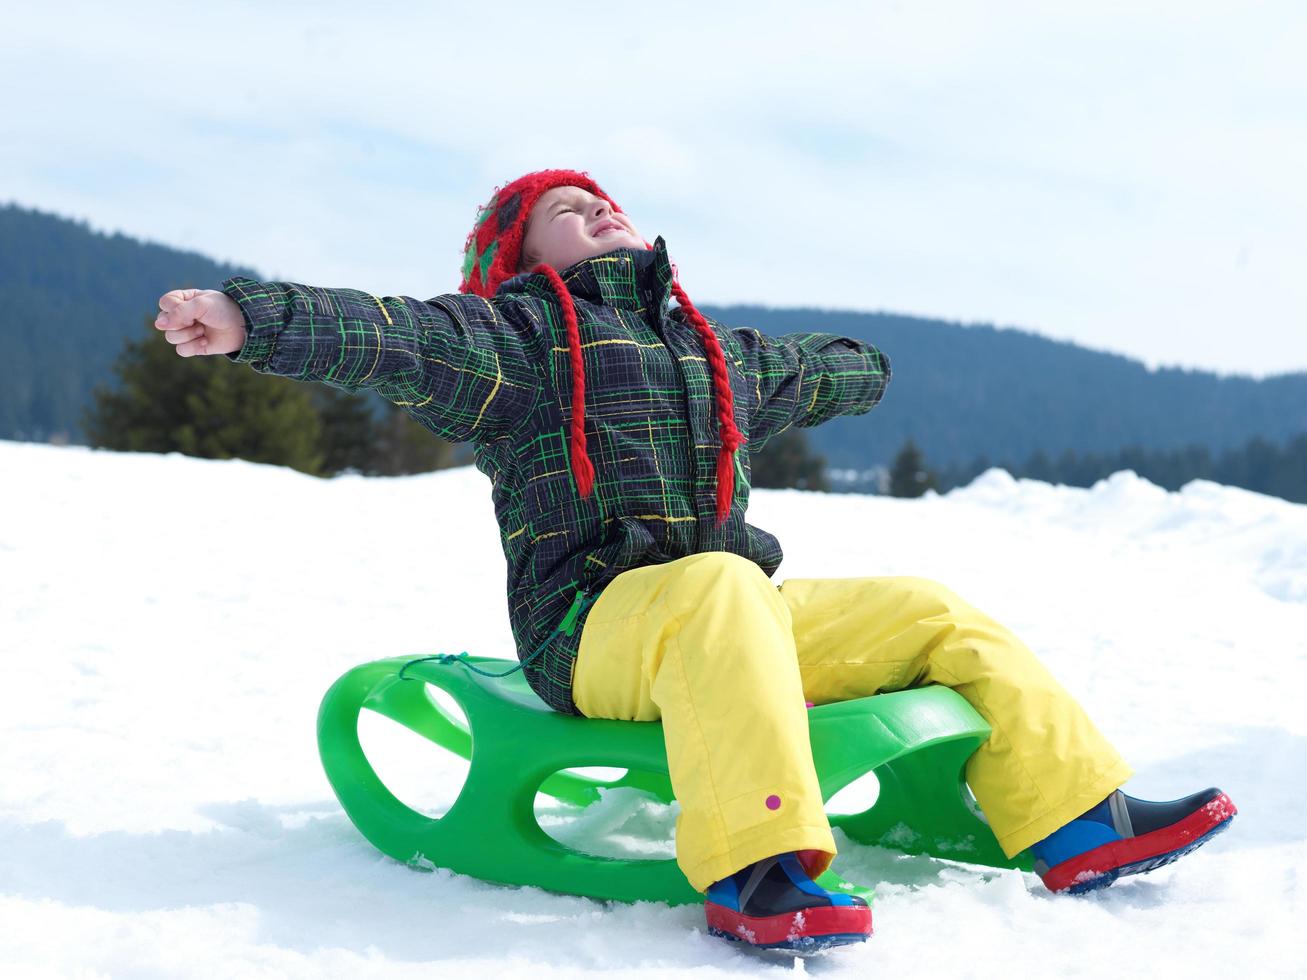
x=724, y=400
x=582, y=469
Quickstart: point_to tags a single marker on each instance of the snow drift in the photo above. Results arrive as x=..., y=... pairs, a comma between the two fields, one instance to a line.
x=168, y=626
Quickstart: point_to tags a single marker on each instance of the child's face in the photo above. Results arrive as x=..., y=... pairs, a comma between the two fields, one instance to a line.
x=569, y=224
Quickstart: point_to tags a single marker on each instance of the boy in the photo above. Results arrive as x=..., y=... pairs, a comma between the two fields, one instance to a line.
x=616, y=432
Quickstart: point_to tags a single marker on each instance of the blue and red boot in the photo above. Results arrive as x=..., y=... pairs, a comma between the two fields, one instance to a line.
x=773, y=904
x=1126, y=836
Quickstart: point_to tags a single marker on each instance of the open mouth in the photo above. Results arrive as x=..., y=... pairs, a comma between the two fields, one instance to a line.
x=607, y=228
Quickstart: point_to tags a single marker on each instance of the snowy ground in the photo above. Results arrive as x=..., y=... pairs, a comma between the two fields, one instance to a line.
x=168, y=625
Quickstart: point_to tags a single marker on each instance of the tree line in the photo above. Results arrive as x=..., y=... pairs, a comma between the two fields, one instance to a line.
x=1261, y=465
x=215, y=409
x=73, y=295
x=212, y=408
x=958, y=391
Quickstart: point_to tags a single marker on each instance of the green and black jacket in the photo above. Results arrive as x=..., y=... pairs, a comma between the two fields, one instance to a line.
x=496, y=373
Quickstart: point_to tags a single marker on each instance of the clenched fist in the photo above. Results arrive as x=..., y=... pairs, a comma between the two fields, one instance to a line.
x=201, y=321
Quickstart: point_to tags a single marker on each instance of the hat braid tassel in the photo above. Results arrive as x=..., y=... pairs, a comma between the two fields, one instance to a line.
x=582, y=469
x=724, y=401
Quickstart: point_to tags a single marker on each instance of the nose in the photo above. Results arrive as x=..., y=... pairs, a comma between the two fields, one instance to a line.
x=601, y=208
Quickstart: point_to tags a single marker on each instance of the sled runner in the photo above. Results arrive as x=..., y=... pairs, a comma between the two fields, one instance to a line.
x=916, y=742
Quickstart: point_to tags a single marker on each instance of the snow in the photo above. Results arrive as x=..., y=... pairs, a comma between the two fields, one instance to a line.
x=168, y=626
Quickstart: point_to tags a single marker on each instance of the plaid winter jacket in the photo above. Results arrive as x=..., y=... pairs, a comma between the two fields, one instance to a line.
x=496, y=373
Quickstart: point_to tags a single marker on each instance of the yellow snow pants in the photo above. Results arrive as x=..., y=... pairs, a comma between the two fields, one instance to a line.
x=726, y=659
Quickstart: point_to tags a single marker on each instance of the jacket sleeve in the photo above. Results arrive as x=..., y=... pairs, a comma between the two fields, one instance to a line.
x=804, y=379
x=451, y=362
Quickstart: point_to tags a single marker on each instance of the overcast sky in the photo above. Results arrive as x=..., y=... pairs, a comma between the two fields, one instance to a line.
x=1130, y=176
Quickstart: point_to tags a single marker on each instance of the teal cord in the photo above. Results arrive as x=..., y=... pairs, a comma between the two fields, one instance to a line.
x=739, y=470
x=568, y=626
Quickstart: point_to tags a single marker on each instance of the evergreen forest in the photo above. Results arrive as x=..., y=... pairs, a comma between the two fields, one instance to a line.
x=964, y=396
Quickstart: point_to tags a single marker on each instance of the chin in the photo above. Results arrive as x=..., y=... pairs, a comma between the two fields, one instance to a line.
x=611, y=243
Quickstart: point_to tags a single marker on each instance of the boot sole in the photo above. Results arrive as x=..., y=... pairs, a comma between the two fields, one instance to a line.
x=806, y=929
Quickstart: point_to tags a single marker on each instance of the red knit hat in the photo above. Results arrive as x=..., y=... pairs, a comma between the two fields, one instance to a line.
x=492, y=255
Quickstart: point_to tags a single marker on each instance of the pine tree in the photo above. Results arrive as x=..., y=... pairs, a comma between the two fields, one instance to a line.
x=786, y=461
x=349, y=429
x=203, y=406
x=403, y=446
x=908, y=477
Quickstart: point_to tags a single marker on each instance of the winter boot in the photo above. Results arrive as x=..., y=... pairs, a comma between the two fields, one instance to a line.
x=773, y=904
x=1126, y=836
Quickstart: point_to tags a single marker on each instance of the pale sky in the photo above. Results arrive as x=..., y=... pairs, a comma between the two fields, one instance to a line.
x=1128, y=175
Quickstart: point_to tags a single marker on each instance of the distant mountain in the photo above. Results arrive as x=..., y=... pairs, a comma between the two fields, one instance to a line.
x=965, y=391
x=72, y=295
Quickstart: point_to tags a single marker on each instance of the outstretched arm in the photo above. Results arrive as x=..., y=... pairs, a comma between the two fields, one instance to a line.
x=804, y=379
x=451, y=362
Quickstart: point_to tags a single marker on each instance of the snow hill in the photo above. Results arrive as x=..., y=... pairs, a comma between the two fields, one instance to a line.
x=168, y=625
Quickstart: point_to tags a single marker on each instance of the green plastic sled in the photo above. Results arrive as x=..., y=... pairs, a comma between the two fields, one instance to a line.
x=916, y=742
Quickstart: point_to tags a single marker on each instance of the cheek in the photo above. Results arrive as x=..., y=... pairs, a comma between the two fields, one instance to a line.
x=564, y=238
x=541, y=239
x=561, y=244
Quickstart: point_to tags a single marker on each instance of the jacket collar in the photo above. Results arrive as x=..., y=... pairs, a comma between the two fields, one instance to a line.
x=628, y=278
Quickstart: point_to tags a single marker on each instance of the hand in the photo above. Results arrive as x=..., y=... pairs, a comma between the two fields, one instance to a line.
x=201, y=321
